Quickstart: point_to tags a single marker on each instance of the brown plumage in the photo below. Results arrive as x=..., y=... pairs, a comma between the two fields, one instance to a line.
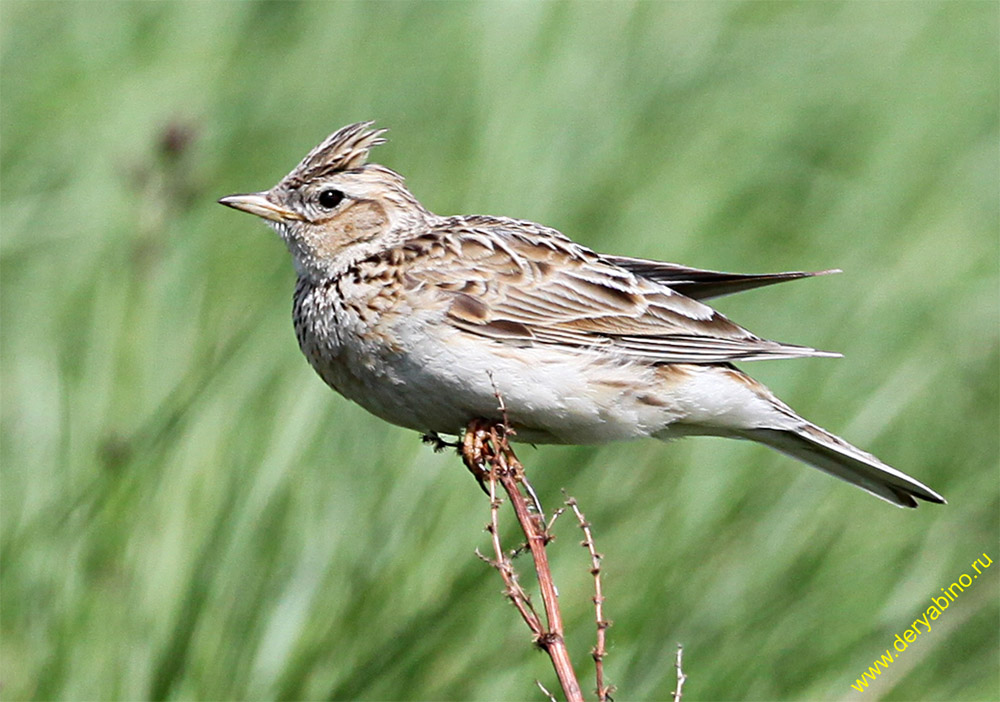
x=420, y=318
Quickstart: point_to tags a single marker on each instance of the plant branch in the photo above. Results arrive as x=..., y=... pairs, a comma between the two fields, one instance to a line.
x=600, y=650
x=548, y=695
x=514, y=592
x=681, y=677
x=486, y=444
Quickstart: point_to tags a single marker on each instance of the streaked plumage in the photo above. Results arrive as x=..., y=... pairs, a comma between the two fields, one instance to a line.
x=418, y=318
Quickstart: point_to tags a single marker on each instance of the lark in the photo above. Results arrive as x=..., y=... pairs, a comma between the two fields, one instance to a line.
x=423, y=320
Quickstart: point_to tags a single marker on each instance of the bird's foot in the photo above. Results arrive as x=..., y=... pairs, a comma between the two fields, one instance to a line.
x=475, y=451
x=434, y=440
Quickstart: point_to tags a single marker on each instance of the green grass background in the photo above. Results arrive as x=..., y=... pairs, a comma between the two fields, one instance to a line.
x=189, y=513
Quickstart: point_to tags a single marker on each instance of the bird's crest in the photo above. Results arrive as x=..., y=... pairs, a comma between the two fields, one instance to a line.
x=346, y=148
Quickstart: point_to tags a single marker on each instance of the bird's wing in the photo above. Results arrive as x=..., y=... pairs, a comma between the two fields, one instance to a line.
x=702, y=284
x=521, y=283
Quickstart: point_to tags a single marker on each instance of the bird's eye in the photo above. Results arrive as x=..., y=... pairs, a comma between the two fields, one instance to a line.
x=330, y=198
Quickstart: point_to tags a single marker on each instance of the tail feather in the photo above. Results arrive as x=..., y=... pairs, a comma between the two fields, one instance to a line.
x=833, y=455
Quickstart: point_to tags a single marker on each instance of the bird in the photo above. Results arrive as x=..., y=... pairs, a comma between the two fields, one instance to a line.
x=425, y=320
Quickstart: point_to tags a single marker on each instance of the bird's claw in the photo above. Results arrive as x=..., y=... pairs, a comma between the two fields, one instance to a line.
x=438, y=444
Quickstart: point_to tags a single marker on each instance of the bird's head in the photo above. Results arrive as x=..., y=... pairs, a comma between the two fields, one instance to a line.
x=334, y=208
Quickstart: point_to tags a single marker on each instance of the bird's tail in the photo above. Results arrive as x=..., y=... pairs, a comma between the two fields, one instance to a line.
x=831, y=454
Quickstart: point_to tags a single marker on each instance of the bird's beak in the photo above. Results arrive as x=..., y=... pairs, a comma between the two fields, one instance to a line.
x=258, y=204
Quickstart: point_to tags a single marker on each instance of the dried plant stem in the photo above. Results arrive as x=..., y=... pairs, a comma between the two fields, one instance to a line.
x=548, y=695
x=514, y=592
x=600, y=650
x=681, y=677
x=485, y=444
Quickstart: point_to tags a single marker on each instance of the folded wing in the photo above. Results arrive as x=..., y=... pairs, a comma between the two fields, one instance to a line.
x=521, y=283
x=702, y=284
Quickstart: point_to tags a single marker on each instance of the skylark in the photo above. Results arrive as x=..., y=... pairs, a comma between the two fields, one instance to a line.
x=421, y=319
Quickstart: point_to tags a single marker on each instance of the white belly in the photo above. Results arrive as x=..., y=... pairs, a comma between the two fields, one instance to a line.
x=552, y=394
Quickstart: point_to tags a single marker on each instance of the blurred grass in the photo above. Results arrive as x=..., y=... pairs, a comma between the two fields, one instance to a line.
x=188, y=513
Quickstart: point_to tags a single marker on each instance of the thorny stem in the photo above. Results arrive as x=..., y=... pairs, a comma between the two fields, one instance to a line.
x=487, y=444
x=514, y=592
x=600, y=650
x=681, y=677
x=545, y=691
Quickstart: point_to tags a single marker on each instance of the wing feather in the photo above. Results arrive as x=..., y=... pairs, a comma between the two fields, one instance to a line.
x=703, y=284
x=533, y=285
